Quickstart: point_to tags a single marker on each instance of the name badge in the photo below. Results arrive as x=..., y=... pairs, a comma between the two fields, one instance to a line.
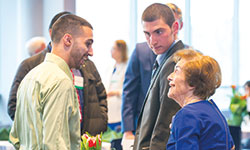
x=79, y=81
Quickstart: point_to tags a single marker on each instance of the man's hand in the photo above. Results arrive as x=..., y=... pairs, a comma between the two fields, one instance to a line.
x=128, y=135
x=128, y=140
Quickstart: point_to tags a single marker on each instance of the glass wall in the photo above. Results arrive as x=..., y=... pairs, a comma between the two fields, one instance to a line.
x=26, y=19
x=212, y=34
x=209, y=26
x=217, y=28
x=244, y=33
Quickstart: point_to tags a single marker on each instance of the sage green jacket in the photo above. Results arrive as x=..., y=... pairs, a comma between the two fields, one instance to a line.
x=47, y=112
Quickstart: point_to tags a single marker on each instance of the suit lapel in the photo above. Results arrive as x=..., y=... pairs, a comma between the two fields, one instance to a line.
x=179, y=45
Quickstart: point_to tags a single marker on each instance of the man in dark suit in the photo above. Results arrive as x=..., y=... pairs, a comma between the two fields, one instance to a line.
x=92, y=93
x=137, y=80
x=135, y=87
x=160, y=28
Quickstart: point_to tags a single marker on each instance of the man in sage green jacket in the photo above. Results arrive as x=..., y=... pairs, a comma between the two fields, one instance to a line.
x=47, y=111
x=93, y=97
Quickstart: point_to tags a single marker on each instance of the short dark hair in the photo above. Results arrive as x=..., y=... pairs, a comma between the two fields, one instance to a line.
x=158, y=11
x=70, y=24
x=56, y=17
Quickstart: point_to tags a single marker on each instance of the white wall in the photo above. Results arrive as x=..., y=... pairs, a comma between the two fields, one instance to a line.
x=51, y=8
x=8, y=52
x=111, y=21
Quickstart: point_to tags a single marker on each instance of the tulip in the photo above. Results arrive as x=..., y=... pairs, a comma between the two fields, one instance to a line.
x=243, y=97
x=86, y=136
x=91, y=142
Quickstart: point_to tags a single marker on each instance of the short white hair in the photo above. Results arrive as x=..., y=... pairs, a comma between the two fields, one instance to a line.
x=34, y=43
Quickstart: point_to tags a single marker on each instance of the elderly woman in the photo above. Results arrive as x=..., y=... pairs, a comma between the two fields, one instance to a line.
x=199, y=125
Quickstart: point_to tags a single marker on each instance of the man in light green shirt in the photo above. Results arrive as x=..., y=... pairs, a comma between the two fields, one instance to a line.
x=47, y=113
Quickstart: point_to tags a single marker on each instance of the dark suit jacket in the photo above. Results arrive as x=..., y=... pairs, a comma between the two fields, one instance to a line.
x=136, y=83
x=95, y=117
x=153, y=124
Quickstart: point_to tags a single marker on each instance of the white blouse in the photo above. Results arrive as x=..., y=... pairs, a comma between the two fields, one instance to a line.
x=115, y=84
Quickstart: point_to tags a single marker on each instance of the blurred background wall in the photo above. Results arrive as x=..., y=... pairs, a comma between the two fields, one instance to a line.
x=217, y=28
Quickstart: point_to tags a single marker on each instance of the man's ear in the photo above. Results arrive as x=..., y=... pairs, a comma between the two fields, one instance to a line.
x=50, y=32
x=175, y=27
x=67, y=40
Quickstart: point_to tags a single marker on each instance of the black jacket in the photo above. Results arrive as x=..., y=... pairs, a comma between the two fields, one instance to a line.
x=95, y=103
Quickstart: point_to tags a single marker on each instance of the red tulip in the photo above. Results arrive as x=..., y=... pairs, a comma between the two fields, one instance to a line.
x=243, y=97
x=86, y=136
x=91, y=142
x=99, y=138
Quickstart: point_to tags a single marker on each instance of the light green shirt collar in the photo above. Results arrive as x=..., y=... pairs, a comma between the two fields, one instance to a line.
x=50, y=57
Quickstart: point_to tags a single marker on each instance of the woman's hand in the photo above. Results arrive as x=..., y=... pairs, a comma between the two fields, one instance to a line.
x=113, y=93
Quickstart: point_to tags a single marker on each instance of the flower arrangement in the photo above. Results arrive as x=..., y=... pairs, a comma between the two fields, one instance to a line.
x=91, y=142
x=237, y=107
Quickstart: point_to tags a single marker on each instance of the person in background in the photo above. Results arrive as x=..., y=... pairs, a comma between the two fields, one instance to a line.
x=239, y=108
x=245, y=143
x=136, y=83
x=247, y=92
x=199, y=124
x=119, y=53
x=160, y=28
x=47, y=111
x=35, y=45
x=177, y=14
x=88, y=83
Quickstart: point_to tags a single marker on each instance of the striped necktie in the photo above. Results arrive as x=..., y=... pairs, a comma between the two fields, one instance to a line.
x=155, y=67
